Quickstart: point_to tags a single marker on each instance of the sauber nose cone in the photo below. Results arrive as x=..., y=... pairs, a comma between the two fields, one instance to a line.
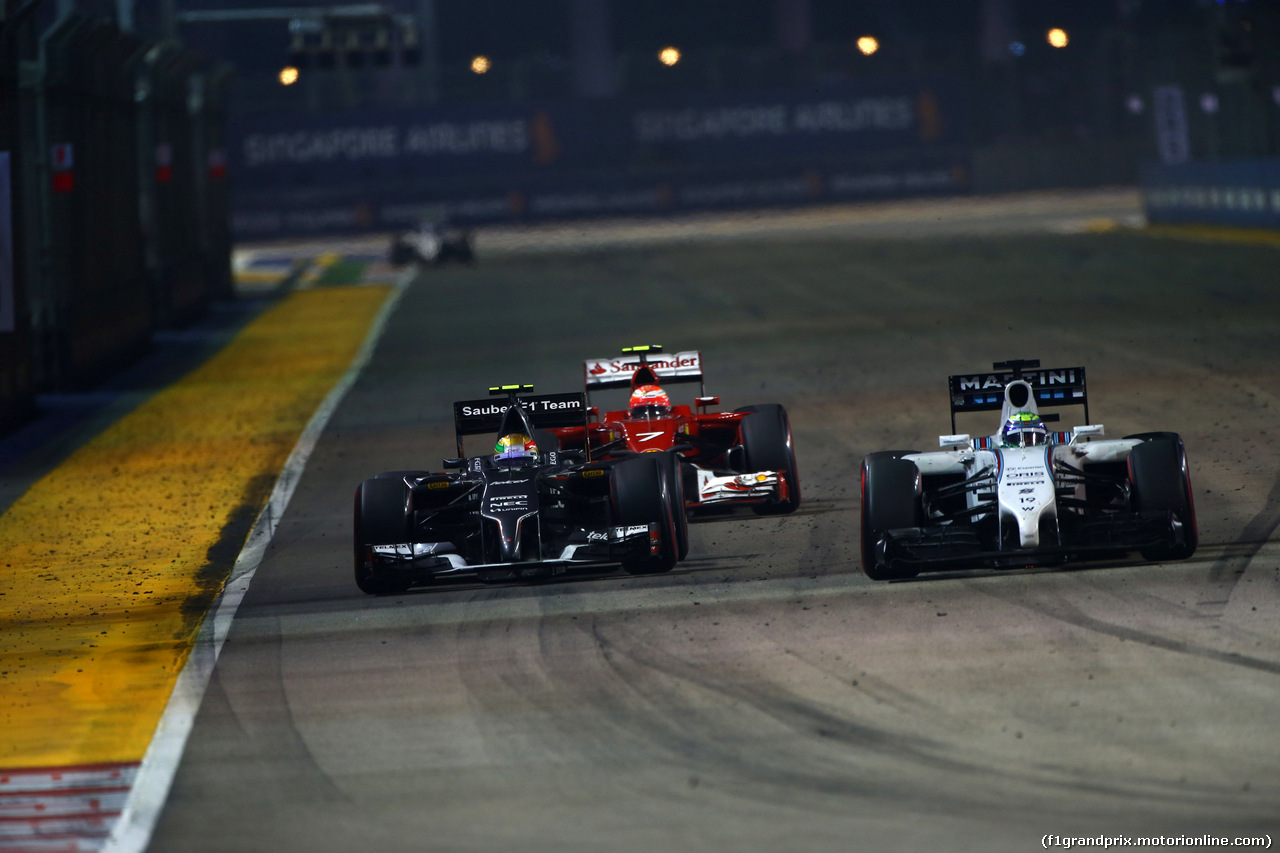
x=1026, y=491
x=510, y=501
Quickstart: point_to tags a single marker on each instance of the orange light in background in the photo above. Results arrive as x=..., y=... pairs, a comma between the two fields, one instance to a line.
x=669, y=56
x=481, y=65
x=868, y=45
x=1057, y=37
x=288, y=75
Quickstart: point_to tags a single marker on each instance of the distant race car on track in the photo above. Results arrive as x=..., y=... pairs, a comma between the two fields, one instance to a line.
x=716, y=462
x=432, y=242
x=1025, y=495
x=515, y=513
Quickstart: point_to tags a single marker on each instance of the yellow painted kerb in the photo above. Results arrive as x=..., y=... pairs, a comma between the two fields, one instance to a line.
x=104, y=569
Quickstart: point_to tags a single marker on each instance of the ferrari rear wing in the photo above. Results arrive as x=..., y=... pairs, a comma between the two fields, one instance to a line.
x=981, y=392
x=601, y=373
x=543, y=411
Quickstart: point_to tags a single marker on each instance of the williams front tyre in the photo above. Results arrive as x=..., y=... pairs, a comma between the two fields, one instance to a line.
x=890, y=501
x=1161, y=482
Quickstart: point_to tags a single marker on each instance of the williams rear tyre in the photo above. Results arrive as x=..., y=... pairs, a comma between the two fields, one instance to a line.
x=381, y=518
x=639, y=496
x=766, y=438
x=890, y=501
x=1161, y=482
x=674, y=477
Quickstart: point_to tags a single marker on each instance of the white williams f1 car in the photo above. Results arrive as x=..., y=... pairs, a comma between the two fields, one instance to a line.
x=1025, y=496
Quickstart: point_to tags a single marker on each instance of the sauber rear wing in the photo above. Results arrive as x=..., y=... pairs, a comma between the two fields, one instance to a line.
x=981, y=392
x=543, y=411
x=601, y=373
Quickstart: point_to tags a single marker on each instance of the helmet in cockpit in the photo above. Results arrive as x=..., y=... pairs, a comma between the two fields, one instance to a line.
x=1023, y=429
x=649, y=401
x=515, y=449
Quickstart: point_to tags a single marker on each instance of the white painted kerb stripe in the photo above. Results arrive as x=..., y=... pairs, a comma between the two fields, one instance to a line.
x=132, y=831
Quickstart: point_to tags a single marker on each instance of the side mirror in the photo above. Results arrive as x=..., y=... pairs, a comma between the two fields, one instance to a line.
x=593, y=413
x=1087, y=432
x=455, y=462
x=703, y=402
x=955, y=442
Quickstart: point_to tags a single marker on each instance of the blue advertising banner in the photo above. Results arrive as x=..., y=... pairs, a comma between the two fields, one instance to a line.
x=487, y=162
x=1243, y=193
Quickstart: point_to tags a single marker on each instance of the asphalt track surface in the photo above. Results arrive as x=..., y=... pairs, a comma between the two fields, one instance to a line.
x=765, y=695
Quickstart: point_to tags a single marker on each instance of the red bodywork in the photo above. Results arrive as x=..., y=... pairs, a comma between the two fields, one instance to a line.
x=706, y=441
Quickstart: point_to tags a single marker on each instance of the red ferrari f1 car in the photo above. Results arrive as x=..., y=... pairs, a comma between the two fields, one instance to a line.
x=720, y=463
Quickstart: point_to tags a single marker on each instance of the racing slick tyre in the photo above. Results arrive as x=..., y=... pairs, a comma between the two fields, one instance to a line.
x=674, y=477
x=400, y=475
x=766, y=437
x=381, y=518
x=1161, y=482
x=889, y=454
x=639, y=496
x=890, y=500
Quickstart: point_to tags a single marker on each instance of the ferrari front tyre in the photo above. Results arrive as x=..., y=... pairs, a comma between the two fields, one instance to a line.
x=381, y=518
x=890, y=501
x=766, y=437
x=674, y=477
x=1161, y=482
x=639, y=497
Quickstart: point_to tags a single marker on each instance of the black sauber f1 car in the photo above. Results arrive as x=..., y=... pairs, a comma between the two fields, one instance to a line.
x=1025, y=496
x=515, y=513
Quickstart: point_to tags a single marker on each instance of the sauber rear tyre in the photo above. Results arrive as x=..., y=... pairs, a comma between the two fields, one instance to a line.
x=1161, y=482
x=381, y=518
x=639, y=496
x=674, y=478
x=890, y=500
x=766, y=437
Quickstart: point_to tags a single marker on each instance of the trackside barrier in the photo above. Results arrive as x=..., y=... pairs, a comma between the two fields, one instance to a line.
x=115, y=189
x=17, y=386
x=91, y=305
x=1239, y=193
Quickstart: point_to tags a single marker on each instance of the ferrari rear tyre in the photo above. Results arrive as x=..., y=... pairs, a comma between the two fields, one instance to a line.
x=766, y=437
x=639, y=496
x=890, y=501
x=1161, y=482
x=381, y=518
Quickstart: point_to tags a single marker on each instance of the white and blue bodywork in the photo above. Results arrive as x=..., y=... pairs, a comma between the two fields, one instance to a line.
x=978, y=502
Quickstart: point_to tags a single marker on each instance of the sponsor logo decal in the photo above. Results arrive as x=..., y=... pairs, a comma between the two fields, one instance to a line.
x=982, y=382
x=535, y=406
x=684, y=362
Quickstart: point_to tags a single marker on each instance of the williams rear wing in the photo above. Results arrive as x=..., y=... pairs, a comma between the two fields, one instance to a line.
x=982, y=392
x=542, y=411
x=601, y=373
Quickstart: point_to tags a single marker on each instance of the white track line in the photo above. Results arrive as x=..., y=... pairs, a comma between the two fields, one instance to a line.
x=142, y=809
